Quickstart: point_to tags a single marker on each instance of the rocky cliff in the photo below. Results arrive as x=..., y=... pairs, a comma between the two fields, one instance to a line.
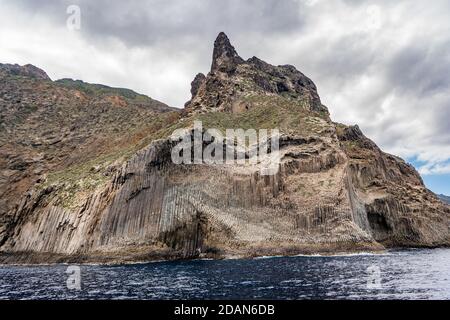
x=109, y=191
x=46, y=127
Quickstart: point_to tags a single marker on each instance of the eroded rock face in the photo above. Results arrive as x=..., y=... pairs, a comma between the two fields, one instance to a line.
x=225, y=57
x=232, y=82
x=196, y=83
x=335, y=190
x=46, y=127
x=397, y=205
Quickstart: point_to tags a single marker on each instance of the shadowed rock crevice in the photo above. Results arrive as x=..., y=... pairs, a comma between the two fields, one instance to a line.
x=379, y=226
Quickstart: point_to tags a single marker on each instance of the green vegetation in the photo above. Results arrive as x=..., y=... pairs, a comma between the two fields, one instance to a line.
x=89, y=175
x=268, y=112
x=99, y=89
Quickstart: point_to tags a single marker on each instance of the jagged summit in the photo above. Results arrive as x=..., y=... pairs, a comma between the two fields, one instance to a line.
x=233, y=81
x=87, y=175
x=225, y=57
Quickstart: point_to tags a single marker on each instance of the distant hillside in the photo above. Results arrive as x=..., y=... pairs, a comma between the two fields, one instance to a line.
x=444, y=198
x=92, y=89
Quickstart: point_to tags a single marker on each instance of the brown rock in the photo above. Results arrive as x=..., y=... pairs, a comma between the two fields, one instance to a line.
x=335, y=189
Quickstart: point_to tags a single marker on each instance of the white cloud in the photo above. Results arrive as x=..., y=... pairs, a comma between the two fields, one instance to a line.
x=383, y=66
x=32, y=38
x=440, y=168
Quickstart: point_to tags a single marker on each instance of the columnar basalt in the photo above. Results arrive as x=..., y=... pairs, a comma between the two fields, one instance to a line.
x=335, y=190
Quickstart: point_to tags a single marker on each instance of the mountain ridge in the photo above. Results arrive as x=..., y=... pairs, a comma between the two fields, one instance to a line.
x=335, y=190
x=44, y=123
x=230, y=72
x=34, y=72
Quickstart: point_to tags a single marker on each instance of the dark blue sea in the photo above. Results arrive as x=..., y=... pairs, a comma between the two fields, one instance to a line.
x=405, y=274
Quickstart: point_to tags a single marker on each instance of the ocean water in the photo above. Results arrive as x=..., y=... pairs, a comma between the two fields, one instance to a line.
x=405, y=274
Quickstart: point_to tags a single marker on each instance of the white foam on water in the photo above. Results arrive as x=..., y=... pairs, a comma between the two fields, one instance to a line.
x=343, y=254
x=267, y=257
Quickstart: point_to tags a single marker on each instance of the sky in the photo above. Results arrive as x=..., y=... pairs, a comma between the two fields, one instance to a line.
x=384, y=65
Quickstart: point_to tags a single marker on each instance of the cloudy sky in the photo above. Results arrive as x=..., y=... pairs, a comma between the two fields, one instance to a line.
x=384, y=65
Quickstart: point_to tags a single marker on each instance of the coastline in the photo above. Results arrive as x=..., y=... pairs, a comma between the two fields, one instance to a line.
x=122, y=258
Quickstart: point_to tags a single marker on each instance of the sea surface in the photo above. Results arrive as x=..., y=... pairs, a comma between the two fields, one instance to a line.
x=405, y=274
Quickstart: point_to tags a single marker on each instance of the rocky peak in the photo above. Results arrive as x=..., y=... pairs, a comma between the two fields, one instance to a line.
x=352, y=133
x=196, y=83
x=199, y=79
x=232, y=81
x=83, y=178
x=27, y=70
x=225, y=57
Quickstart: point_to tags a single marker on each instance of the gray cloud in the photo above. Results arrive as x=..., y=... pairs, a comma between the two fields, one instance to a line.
x=421, y=68
x=145, y=23
x=381, y=64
